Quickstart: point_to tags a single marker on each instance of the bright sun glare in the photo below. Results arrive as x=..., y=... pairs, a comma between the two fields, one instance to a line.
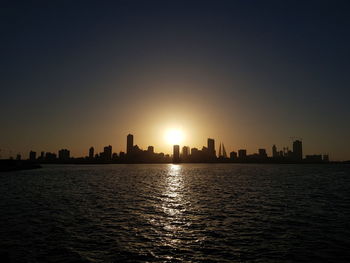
x=174, y=136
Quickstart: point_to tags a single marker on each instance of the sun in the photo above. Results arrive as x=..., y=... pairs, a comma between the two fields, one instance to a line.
x=174, y=136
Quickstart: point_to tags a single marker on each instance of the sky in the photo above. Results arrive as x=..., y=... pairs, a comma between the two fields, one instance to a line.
x=250, y=74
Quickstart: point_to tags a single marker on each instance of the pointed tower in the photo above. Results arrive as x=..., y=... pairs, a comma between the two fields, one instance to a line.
x=224, y=151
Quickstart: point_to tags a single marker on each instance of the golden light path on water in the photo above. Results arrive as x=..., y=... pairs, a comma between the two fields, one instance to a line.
x=174, y=205
x=173, y=191
x=174, y=224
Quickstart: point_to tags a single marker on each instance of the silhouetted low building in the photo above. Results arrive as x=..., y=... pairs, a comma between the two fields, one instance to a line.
x=107, y=153
x=91, y=153
x=150, y=149
x=50, y=157
x=196, y=155
x=63, y=155
x=242, y=154
x=262, y=153
x=315, y=158
x=326, y=158
x=233, y=156
x=32, y=156
x=274, y=152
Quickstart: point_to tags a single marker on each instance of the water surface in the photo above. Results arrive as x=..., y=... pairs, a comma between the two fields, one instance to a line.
x=176, y=213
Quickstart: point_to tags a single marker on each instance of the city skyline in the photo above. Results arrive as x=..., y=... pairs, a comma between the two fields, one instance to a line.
x=182, y=154
x=212, y=149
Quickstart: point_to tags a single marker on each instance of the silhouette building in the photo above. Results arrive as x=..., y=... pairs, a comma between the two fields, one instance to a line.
x=274, y=151
x=150, y=149
x=50, y=156
x=32, y=156
x=262, y=153
x=107, y=153
x=211, y=147
x=233, y=155
x=242, y=154
x=129, y=143
x=91, y=153
x=176, y=154
x=314, y=158
x=63, y=155
x=298, y=150
x=185, y=152
x=325, y=158
x=222, y=151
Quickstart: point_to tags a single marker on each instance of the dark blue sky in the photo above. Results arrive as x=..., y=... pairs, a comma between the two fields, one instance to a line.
x=251, y=73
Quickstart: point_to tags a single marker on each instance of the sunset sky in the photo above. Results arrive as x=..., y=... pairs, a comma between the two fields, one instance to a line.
x=247, y=73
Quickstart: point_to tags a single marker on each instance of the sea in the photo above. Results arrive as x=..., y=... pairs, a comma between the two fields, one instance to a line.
x=176, y=213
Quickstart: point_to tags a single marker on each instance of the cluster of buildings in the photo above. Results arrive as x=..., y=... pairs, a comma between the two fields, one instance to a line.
x=185, y=154
x=208, y=154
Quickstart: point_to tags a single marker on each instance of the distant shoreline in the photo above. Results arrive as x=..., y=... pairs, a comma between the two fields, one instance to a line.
x=17, y=165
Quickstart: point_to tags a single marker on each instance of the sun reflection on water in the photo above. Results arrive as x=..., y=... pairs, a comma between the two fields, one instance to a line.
x=173, y=193
x=174, y=204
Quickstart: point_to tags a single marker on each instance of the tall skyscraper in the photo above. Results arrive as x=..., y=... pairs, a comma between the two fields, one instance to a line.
x=129, y=143
x=176, y=154
x=91, y=153
x=298, y=150
x=211, y=147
